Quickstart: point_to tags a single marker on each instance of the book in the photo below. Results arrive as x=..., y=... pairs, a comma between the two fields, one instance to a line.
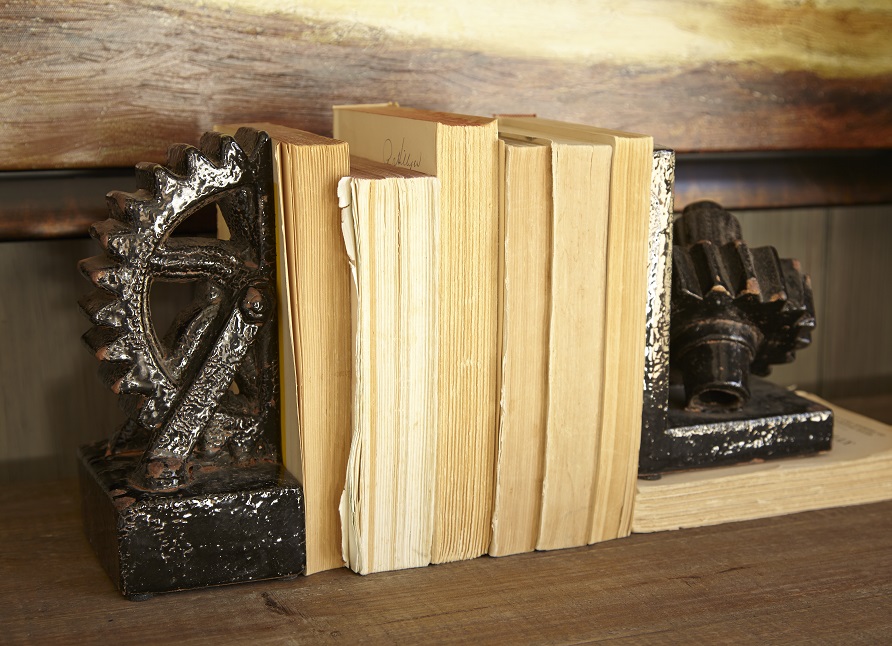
x=390, y=220
x=525, y=221
x=615, y=417
x=314, y=328
x=856, y=471
x=578, y=198
x=462, y=152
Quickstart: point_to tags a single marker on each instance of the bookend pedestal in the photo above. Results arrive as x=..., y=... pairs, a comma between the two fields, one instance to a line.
x=227, y=526
x=773, y=423
x=190, y=491
x=734, y=311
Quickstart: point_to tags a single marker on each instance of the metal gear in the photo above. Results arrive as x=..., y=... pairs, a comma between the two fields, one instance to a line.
x=206, y=392
x=735, y=309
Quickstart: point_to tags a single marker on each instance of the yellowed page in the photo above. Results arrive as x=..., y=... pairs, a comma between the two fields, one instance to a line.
x=576, y=347
x=406, y=143
x=463, y=154
x=857, y=470
x=525, y=203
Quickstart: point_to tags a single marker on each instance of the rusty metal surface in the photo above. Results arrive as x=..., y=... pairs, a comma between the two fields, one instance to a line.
x=230, y=525
x=175, y=386
x=734, y=311
x=202, y=398
x=773, y=423
x=659, y=286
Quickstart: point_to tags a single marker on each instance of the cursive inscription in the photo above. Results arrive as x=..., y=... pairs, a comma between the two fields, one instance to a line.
x=402, y=157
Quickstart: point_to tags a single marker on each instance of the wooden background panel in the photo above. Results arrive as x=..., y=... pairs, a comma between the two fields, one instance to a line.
x=97, y=83
x=800, y=234
x=857, y=357
x=51, y=399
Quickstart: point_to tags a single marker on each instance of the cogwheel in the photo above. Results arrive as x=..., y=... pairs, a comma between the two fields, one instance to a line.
x=734, y=309
x=166, y=384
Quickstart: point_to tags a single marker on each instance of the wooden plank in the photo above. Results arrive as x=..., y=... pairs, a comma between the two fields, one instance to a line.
x=92, y=83
x=799, y=234
x=821, y=575
x=51, y=399
x=781, y=180
x=36, y=205
x=56, y=204
x=858, y=361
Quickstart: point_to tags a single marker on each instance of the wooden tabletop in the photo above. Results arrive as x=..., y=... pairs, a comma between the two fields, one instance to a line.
x=823, y=575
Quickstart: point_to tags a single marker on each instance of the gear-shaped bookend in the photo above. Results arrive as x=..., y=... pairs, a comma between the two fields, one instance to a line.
x=734, y=311
x=190, y=491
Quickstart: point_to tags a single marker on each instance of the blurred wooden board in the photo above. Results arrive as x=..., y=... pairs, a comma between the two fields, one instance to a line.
x=820, y=576
x=63, y=203
x=93, y=83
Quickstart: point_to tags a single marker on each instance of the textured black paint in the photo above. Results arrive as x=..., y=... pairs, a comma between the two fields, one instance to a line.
x=189, y=492
x=774, y=423
x=230, y=525
x=734, y=311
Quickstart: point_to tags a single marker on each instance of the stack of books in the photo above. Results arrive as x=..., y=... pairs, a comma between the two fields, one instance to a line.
x=474, y=326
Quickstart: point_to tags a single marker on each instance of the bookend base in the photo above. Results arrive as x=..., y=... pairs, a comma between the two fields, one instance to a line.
x=774, y=423
x=231, y=525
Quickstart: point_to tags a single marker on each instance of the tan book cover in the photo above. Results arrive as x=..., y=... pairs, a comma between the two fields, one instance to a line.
x=315, y=334
x=390, y=225
x=525, y=216
x=462, y=152
x=616, y=424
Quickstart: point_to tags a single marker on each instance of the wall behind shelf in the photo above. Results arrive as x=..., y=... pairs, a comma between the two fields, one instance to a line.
x=846, y=253
x=110, y=83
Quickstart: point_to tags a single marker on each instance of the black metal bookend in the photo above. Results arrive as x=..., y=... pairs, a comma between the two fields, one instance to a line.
x=190, y=491
x=734, y=311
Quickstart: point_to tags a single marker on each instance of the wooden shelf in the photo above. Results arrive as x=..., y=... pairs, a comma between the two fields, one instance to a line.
x=820, y=575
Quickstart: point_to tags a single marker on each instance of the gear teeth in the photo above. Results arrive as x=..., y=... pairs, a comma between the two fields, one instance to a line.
x=134, y=381
x=222, y=150
x=213, y=145
x=176, y=159
x=685, y=285
x=116, y=238
x=156, y=179
x=746, y=282
x=125, y=206
x=771, y=274
x=111, y=372
x=132, y=404
x=101, y=231
x=106, y=273
x=196, y=163
x=715, y=284
x=107, y=343
x=251, y=141
x=103, y=308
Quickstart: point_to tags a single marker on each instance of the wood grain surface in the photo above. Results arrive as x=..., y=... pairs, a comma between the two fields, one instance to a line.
x=64, y=203
x=819, y=577
x=95, y=83
x=51, y=397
